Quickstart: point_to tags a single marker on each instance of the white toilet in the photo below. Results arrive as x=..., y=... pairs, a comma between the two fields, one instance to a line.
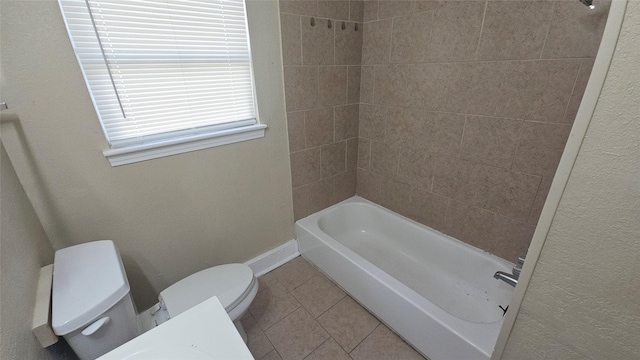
x=93, y=309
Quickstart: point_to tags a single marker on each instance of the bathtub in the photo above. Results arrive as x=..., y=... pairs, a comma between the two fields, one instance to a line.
x=436, y=292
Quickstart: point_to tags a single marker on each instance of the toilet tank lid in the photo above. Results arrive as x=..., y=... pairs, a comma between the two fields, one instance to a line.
x=88, y=279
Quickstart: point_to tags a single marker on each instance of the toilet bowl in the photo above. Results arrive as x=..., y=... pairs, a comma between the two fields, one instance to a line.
x=93, y=309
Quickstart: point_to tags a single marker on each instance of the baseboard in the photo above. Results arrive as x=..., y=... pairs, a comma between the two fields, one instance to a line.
x=272, y=259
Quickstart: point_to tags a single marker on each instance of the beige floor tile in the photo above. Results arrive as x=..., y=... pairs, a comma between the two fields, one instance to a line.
x=295, y=273
x=267, y=280
x=257, y=341
x=330, y=350
x=297, y=335
x=348, y=323
x=318, y=295
x=272, y=356
x=383, y=344
x=272, y=304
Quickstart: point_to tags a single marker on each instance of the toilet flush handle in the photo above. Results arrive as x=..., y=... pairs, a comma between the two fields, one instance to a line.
x=91, y=329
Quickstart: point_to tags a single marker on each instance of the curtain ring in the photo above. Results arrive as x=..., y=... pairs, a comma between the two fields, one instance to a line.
x=313, y=22
x=356, y=27
x=344, y=26
x=329, y=23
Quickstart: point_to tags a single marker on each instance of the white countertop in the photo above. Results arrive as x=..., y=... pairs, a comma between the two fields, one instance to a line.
x=202, y=332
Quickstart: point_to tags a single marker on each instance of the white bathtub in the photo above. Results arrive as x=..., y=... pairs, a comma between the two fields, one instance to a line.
x=436, y=292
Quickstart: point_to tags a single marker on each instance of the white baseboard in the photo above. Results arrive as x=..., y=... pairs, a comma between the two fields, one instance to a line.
x=272, y=259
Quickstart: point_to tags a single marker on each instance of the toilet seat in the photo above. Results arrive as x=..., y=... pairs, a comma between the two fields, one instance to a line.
x=233, y=284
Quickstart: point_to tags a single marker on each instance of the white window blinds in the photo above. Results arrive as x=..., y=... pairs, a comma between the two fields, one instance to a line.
x=161, y=69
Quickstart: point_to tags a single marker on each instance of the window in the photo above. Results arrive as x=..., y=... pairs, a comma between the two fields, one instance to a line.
x=165, y=76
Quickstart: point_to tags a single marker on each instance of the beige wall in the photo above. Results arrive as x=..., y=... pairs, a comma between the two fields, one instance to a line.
x=170, y=216
x=24, y=249
x=466, y=107
x=322, y=83
x=582, y=301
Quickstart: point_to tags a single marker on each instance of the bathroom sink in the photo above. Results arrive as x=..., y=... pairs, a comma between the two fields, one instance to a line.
x=204, y=332
x=170, y=352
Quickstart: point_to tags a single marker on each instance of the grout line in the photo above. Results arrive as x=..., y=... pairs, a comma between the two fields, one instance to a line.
x=301, y=41
x=573, y=90
x=484, y=15
x=544, y=43
x=464, y=127
x=471, y=62
x=515, y=151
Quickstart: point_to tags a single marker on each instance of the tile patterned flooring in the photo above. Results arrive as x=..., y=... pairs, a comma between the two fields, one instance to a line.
x=300, y=314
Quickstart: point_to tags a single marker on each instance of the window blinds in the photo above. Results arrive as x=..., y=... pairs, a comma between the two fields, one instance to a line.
x=163, y=68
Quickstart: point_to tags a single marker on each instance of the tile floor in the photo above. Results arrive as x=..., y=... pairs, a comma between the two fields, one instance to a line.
x=300, y=314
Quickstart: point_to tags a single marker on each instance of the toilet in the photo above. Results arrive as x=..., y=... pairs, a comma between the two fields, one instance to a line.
x=93, y=310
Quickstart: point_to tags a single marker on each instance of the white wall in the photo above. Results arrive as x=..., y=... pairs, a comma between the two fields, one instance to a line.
x=170, y=216
x=24, y=249
x=582, y=301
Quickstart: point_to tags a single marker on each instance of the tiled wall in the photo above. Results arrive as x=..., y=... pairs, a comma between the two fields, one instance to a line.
x=322, y=88
x=466, y=107
x=451, y=112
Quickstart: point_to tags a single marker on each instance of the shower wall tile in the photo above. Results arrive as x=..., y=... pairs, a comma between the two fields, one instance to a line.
x=367, y=81
x=301, y=87
x=392, y=8
x=540, y=148
x=305, y=166
x=291, y=39
x=368, y=184
x=332, y=84
x=333, y=9
x=431, y=5
x=469, y=224
x=352, y=155
x=370, y=10
x=333, y=159
x=345, y=185
x=299, y=7
x=372, y=122
x=575, y=29
x=394, y=195
x=538, y=90
x=428, y=208
x=322, y=129
x=356, y=11
x=514, y=30
x=455, y=178
x=510, y=238
x=300, y=202
x=541, y=197
x=295, y=126
x=364, y=153
x=456, y=32
x=416, y=168
x=317, y=42
x=506, y=192
x=321, y=195
x=353, y=84
x=319, y=127
x=578, y=91
x=490, y=140
x=348, y=45
x=376, y=42
x=384, y=159
x=445, y=113
x=346, y=122
x=411, y=38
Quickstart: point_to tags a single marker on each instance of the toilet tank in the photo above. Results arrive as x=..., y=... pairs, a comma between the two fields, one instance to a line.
x=91, y=303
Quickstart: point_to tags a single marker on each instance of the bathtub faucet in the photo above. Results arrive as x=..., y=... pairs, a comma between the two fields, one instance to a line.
x=511, y=279
x=508, y=278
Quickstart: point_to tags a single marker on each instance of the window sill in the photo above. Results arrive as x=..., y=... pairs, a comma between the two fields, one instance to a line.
x=137, y=153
